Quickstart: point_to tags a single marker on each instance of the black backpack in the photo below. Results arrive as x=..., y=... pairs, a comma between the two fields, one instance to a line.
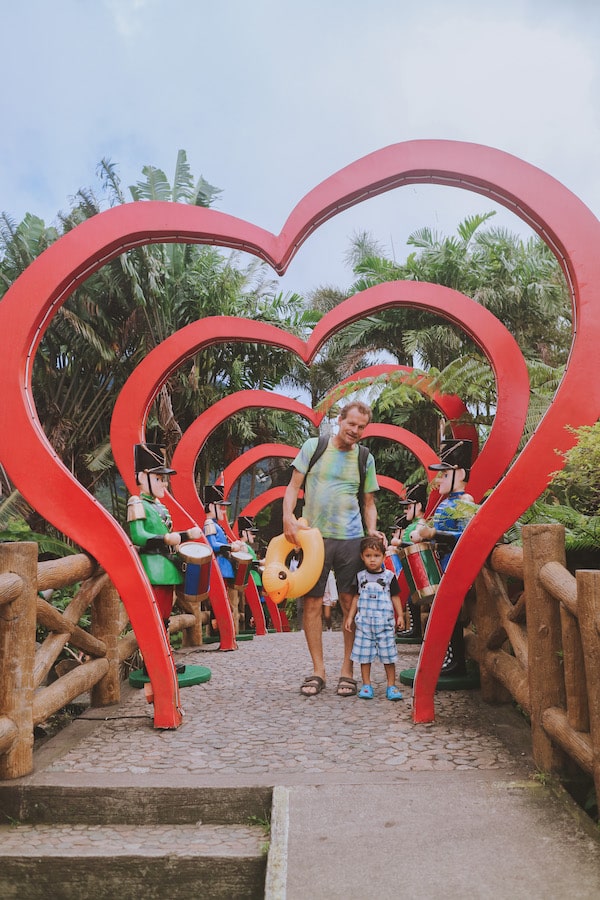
x=363, y=455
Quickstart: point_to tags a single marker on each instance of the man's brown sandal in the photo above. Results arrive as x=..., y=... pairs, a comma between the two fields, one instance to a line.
x=347, y=687
x=312, y=686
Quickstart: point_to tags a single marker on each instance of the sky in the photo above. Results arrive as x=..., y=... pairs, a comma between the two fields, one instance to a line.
x=269, y=98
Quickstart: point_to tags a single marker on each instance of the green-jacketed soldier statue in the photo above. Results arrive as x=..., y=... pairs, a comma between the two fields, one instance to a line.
x=150, y=528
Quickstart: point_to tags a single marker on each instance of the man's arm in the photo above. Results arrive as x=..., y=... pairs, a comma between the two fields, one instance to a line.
x=370, y=516
x=290, y=498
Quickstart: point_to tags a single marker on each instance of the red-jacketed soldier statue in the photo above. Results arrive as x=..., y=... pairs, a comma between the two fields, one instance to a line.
x=150, y=528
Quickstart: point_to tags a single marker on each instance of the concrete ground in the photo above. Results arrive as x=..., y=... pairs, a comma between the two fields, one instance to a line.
x=366, y=804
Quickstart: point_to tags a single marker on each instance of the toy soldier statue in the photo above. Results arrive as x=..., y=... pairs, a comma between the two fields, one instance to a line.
x=450, y=519
x=151, y=531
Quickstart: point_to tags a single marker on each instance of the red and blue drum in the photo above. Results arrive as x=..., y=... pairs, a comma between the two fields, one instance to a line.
x=393, y=562
x=421, y=566
x=196, y=563
x=242, y=563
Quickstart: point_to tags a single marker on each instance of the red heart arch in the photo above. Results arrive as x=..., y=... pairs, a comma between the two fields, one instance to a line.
x=135, y=400
x=557, y=215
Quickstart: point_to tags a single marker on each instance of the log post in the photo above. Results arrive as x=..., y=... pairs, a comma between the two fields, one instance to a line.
x=588, y=605
x=575, y=679
x=191, y=637
x=17, y=650
x=104, y=627
x=542, y=543
x=487, y=621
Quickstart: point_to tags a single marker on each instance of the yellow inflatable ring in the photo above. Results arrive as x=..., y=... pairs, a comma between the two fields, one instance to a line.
x=278, y=581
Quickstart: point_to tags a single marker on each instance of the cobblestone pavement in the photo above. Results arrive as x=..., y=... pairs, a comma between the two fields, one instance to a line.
x=249, y=723
x=127, y=840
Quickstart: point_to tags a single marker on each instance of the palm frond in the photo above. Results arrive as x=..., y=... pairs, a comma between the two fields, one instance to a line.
x=155, y=187
x=15, y=506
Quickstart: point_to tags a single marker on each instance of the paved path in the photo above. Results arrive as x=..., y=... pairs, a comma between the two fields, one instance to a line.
x=367, y=803
x=249, y=723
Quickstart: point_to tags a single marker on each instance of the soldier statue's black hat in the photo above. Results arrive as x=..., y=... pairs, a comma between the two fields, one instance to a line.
x=246, y=523
x=415, y=494
x=215, y=493
x=151, y=458
x=454, y=454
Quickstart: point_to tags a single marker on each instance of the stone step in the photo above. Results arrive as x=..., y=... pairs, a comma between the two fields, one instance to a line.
x=103, y=805
x=69, y=843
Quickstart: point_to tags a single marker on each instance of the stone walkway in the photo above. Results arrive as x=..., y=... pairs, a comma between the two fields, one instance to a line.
x=250, y=724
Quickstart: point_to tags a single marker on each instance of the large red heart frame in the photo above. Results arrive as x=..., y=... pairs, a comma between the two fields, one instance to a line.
x=557, y=215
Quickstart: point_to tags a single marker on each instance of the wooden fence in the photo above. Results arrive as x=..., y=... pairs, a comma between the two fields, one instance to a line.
x=535, y=634
x=26, y=699
x=536, y=639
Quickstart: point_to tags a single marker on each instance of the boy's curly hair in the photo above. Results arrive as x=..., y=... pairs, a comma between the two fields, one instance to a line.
x=371, y=542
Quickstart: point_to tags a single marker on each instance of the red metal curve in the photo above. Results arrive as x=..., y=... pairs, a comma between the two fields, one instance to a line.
x=252, y=456
x=560, y=218
x=190, y=445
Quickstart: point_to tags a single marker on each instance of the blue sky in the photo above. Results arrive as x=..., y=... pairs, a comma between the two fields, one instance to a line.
x=270, y=97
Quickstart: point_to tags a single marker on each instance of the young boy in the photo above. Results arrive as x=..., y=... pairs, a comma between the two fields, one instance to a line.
x=372, y=609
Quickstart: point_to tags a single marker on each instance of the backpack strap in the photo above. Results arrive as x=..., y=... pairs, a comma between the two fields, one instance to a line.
x=363, y=455
x=319, y=450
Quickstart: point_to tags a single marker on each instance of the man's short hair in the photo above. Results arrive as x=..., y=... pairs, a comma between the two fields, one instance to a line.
x=363, y=408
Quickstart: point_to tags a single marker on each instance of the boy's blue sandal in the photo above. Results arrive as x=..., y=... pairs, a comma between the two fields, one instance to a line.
x=366, y=692
x=393, y=693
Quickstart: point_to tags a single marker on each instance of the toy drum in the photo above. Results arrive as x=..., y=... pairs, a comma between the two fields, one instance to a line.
x=423, y=572
x=242, y=563
x=196, y=569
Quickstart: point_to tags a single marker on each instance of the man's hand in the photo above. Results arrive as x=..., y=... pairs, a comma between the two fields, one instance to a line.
x=379, y=534
x=291, y=527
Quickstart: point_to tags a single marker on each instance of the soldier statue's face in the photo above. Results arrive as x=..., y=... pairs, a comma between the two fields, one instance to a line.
x=451, y=480
x=221, y=512
x=153, y=484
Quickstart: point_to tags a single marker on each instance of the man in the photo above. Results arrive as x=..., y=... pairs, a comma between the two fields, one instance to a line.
x=333, y=505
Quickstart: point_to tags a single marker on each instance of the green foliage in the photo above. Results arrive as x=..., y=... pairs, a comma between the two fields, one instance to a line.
x=578, y=483
x=17, y=529
x=582, y=532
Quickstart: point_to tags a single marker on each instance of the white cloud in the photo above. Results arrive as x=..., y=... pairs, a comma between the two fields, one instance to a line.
x=128, y=14
x=271, y=97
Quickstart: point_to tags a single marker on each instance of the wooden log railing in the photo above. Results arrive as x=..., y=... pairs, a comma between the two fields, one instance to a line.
x=536, y=639
x=26, y=699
